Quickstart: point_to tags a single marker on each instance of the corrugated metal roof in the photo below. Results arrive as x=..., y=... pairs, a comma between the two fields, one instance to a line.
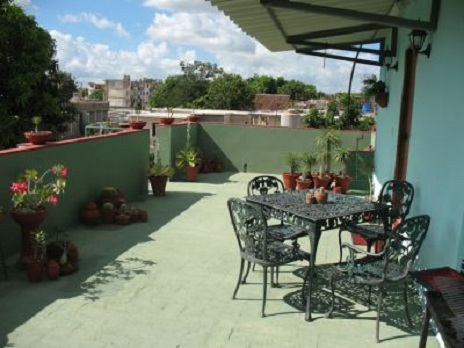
x=272, y=25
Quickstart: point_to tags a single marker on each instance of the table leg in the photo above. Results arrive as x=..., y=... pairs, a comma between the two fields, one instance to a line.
x=314, y=234
x=425, y=328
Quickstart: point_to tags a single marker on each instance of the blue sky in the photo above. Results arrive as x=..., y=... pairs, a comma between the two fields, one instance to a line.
x=105, y=39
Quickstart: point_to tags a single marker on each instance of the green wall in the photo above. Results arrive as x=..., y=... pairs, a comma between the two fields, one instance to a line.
x=436, y=140
x=119, y=159
x=262, y=149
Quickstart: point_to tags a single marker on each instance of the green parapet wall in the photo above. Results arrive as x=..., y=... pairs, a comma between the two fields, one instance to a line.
x=118, y=159
x=263, y=149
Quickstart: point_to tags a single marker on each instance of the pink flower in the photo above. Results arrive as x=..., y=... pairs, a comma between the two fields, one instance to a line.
x=64, y=172
x=18, y=187
x=53, y=199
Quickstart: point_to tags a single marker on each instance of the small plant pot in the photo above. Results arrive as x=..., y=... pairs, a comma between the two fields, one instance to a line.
x=107, y=216
x=303, y=184
x=134, y=215
x=193, y=118
x=53, y=269
x=321, y=198
x=166, y=120
x=34, y=270
x=137, y=124
x=289, y=180
x=123, y=219
x=38, y=138
x=192, y=173
x=337, y=189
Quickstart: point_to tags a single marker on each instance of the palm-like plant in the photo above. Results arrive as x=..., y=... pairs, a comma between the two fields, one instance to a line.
x=327, y=142
x=307, y=160
x=292, y=161
x=342, y=156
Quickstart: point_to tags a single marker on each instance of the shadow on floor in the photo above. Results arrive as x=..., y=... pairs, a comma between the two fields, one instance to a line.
x=211, y=178
x=351, y=302
x=100, y=268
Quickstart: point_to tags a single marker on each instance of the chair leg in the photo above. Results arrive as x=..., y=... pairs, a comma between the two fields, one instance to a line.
x=2, y=260
x=263, y=314
x=242, y=265
x=332, y=290
x=247, y=272
x=405, y=294
x=340, y=243
x=379, y=306
x=369, y=292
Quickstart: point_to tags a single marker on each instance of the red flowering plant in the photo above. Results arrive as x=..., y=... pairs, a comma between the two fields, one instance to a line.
x=31, y=190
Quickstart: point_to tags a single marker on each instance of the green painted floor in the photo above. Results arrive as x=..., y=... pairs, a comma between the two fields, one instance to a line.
x=168, y=283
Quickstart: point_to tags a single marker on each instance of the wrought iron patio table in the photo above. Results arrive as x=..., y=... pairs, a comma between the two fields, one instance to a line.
x=291, y=207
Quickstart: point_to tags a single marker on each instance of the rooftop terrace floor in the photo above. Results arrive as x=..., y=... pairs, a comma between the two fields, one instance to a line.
x=168, y=283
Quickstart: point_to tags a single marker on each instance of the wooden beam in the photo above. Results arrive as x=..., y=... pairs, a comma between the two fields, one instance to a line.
x=336, y=32
x=332, y=56
x=353, y=14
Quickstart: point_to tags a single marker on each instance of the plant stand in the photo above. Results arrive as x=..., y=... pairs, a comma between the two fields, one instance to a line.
x=30, y=222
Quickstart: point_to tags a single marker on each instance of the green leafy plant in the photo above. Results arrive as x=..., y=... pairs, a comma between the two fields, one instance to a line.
x=187, y=156
x=31, y=190
x=307, y=160
x=292, y=161
x=327, y=142
x=372, y=86
x=156, y=168
x=342, y=155
x=36, y=121
x=39, y=239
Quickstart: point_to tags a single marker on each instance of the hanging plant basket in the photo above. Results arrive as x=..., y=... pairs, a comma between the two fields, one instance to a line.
x=382, y=99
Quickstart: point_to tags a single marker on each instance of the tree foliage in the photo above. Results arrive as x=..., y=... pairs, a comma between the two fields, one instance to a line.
x=229, y=91
x=97, y=94
x=297, y=90
x=30, y=80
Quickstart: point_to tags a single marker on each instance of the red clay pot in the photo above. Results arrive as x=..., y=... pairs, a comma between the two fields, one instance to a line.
x=303, y=184
x=193, y=118
x=137, y=124
x=289, y=180
x=158, y=184
x=192, y=173
x=38, y=138
x=166, y=120
x=53, y=269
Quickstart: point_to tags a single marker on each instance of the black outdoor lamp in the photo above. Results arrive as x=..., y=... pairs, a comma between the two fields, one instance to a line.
x=417, y=38
x=388, y=60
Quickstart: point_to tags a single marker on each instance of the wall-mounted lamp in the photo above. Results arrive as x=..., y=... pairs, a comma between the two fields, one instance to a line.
x=417, y=38
x=388, y=60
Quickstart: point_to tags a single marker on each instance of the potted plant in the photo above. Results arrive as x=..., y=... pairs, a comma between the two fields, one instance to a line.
x=343, y=180
x=377, y=89
x=37, y=137
x=289, y=178
x=108, y=211
x=307, y=160
x=159, y=174
x=29, y=193
x=134, y=122
x=193, y=118
x=170, y=118
x=35, y=264
x=327, y=142
x=188, y=159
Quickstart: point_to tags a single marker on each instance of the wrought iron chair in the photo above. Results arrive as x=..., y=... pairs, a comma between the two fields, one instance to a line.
x=391, y=266
x=269, y=184
x=257, y=245
x=398, y=194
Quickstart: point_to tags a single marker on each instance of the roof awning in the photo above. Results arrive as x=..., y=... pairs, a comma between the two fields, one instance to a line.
x=313, y=27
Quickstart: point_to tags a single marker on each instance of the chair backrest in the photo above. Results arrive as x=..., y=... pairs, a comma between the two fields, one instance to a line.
x=399, y=195
x=405, y=243
x=265, y=184
x=250, y=227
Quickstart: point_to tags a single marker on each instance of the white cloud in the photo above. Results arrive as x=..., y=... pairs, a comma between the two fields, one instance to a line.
x=96, y=62
x=97, y=21
x=190, y=6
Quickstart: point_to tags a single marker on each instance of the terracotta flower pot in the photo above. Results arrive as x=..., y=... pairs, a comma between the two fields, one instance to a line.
x=158, y=184
x=90, y=215
x=38, y=138
x=322, y=181
x=53, y=269
x=303, y=184
x=193, y=118
x=166, y=120
x=137, y=124
x=382, y=99
x=192, y=173
x=289, y=180
x=34, y=270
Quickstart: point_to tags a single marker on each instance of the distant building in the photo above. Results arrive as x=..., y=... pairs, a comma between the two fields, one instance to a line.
x=117, y=92
x=89, y=111
x=141, y=90
x=125, y=93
